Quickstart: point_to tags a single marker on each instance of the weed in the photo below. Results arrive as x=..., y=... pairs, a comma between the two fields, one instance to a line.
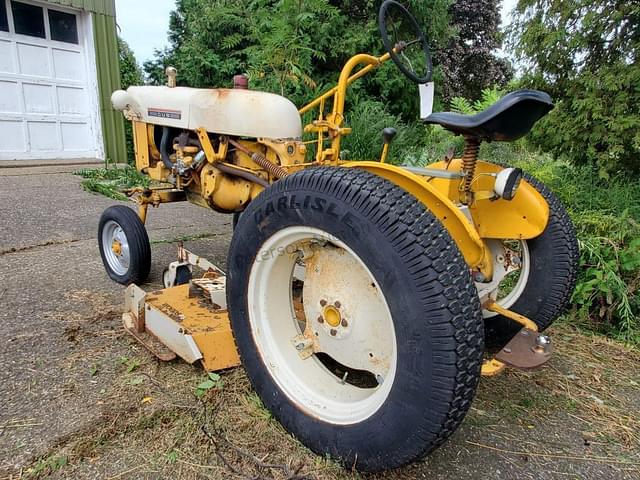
x=172, y=456
x=48, y=465
x=111, y=182
x=131, y=364
x=253, y=400
x=213, y=381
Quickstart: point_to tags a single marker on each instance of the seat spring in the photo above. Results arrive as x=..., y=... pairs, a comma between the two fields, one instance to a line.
x=469, y=161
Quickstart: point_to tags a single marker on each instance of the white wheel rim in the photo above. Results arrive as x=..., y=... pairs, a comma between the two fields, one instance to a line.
x=367, y=342
x=118, y=262
x=500, y=272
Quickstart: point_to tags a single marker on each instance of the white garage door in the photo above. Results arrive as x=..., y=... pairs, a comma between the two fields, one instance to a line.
x=48, y=92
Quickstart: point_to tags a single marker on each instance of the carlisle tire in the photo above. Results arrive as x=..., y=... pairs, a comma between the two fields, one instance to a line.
x=124, y=245
x=547, y=278
x=371, y=351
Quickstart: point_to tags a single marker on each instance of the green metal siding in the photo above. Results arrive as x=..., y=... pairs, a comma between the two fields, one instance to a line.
x=106, y=44
x=103, y=7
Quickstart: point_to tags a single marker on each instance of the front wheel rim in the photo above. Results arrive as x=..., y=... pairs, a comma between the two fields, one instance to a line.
x=115, y=248
x=356, y=329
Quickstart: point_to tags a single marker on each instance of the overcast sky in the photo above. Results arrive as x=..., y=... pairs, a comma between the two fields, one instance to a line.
x=144, y=23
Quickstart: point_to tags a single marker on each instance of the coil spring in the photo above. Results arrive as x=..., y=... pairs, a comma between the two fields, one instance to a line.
x=275, y=170
x=469, y=160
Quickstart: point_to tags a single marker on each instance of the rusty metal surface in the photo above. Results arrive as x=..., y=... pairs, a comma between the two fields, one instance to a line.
x=209, y=327
x=523, y=352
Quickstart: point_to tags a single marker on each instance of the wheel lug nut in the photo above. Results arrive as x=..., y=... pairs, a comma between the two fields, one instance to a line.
x=333, y=332
x=320, y=320
x=337, y=304
x=323, y=303
x=344, y=323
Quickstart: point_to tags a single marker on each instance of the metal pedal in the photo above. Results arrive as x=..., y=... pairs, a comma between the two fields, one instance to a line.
x=528, y=350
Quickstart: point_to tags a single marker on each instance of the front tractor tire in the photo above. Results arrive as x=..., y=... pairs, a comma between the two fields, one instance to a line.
x=355, y=316
x=124, y=245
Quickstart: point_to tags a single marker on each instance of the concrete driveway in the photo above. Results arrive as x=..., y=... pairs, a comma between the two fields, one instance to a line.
x=49, y=262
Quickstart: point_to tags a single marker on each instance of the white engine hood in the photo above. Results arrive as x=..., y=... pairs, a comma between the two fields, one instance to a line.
x=237, y=112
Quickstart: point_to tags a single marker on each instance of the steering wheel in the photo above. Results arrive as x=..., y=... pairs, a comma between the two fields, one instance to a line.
x=405, y=41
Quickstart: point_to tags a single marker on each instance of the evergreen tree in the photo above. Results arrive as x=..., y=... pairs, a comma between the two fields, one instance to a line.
x=292, y=47
x=586, y=54
x=469, y=63
x=130, y=73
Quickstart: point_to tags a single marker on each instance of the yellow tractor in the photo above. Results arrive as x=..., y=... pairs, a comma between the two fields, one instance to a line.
x=363, y=299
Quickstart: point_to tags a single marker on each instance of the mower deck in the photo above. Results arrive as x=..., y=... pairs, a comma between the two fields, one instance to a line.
x=185, y=322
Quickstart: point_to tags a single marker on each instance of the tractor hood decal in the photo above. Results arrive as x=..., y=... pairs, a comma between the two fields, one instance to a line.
x=164, y=113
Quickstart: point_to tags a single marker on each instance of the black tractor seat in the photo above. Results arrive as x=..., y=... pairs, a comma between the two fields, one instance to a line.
x=509, y=119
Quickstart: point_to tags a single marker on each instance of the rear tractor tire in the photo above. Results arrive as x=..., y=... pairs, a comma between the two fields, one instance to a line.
x=355, y=316
x=547, y=276
x=124, y=245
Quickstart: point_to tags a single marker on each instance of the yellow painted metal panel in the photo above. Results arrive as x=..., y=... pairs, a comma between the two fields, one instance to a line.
x=524, y=217
x=458, y=226
x=141, y=145
x=210, y=328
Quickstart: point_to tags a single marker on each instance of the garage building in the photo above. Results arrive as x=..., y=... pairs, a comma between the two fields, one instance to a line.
x=58, y=67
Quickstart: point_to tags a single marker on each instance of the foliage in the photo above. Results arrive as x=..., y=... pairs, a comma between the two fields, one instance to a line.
x=368, y=119
x=585, y=54
x=48, y=465
x=469, y=63
x=213, y=381
x=293, y=47
x=130, y=74
x=606, y=214
x=113, y=181
x=487, y=97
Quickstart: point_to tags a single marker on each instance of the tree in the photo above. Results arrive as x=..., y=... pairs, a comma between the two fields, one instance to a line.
x=586, y=55
x=469, y=63
x=130, y=74
x=292, y=47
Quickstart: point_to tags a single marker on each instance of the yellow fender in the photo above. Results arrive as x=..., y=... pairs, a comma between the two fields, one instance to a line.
x=457, y=224
x=524, y=217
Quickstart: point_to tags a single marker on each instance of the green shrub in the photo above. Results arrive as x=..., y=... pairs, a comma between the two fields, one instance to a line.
x=606, y=215
x=367, y=119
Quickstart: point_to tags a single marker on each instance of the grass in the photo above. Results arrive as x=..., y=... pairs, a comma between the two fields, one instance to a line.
x=112, y=182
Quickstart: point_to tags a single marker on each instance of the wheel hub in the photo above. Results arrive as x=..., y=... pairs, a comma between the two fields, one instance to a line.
x=352, y=318
x=116, y=247
x=322, y=325
x=332, y=316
